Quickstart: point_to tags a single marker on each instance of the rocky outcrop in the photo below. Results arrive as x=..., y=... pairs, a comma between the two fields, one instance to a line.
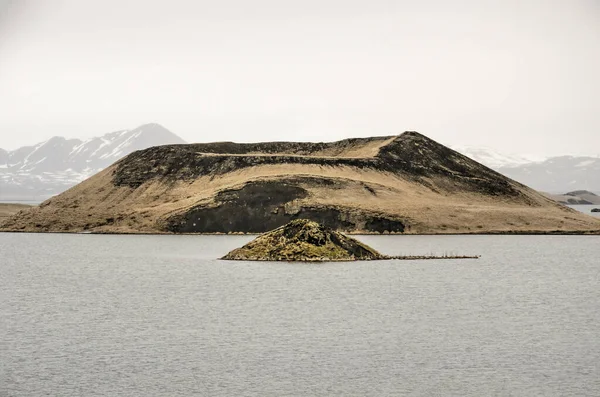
x=7, y=210
x=266, y=204
x=304, y=241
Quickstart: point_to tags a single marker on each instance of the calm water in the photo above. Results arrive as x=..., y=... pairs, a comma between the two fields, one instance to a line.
x=586, y=209
x=21, y=201
x=87, y=315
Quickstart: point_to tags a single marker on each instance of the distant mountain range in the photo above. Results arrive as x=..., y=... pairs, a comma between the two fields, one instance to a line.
x=556, y=175
x=576, y=197
x=50, y=167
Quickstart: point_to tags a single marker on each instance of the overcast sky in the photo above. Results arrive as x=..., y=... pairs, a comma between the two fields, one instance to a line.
x=516, y=75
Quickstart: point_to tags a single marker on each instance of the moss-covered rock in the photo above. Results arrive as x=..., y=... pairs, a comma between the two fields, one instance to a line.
x=306, y=241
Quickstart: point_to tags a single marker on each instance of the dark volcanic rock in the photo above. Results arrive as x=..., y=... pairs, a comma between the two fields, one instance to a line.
x=188, y=162
x=596, y=210
x=410, y=155
x=260, y=206
x=306, y=241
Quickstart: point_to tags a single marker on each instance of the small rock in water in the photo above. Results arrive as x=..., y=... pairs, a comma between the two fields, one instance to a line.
x=306, y=241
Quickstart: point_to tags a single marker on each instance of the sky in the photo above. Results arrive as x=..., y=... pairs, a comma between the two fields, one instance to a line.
x=518, y=76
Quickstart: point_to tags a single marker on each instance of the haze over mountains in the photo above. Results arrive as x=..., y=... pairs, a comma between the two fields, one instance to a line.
x=557, y=175
x=48, y=168
x=494, y=159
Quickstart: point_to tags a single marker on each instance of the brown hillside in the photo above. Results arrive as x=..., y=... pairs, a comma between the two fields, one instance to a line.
x=406, y=183
x=9, y=209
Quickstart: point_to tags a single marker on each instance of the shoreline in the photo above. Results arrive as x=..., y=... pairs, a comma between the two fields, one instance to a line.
x=490, y=233
x=386, y=258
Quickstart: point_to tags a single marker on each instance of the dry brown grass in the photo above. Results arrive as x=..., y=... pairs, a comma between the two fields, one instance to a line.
x=8, y=209
x=359, y=149
x=97, y=205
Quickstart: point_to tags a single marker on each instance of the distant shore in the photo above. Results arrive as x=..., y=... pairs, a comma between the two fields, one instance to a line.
x=487, y=233
x=9, y=209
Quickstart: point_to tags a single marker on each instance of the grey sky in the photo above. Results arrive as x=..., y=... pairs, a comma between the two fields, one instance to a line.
x=518, y=76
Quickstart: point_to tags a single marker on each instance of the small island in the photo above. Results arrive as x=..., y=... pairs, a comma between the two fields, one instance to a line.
x=595, y=209
x=302, y=240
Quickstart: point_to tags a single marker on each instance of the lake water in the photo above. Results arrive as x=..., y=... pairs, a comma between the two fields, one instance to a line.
x=586, y=209
x=21, y=201
x=93, y=315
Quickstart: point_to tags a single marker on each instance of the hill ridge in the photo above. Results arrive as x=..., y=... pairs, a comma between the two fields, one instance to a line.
x=399, y=184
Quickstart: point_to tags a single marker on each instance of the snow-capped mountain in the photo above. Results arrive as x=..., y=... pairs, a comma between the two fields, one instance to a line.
x=50, y=167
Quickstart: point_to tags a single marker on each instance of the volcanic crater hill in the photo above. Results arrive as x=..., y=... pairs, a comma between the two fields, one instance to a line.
x=395, y=184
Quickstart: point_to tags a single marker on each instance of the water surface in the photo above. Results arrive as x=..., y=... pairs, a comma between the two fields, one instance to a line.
x=586, y=209
x=92, y=315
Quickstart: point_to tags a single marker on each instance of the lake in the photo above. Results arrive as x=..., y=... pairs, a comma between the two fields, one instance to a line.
x=21, y=201
x=586, y=209
x=101, y=315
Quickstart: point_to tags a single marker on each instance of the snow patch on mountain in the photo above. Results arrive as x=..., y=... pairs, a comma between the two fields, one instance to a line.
x=585, y=163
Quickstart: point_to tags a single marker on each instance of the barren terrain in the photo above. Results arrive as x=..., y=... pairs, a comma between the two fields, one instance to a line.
x=9, y=209
x=398, y=184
